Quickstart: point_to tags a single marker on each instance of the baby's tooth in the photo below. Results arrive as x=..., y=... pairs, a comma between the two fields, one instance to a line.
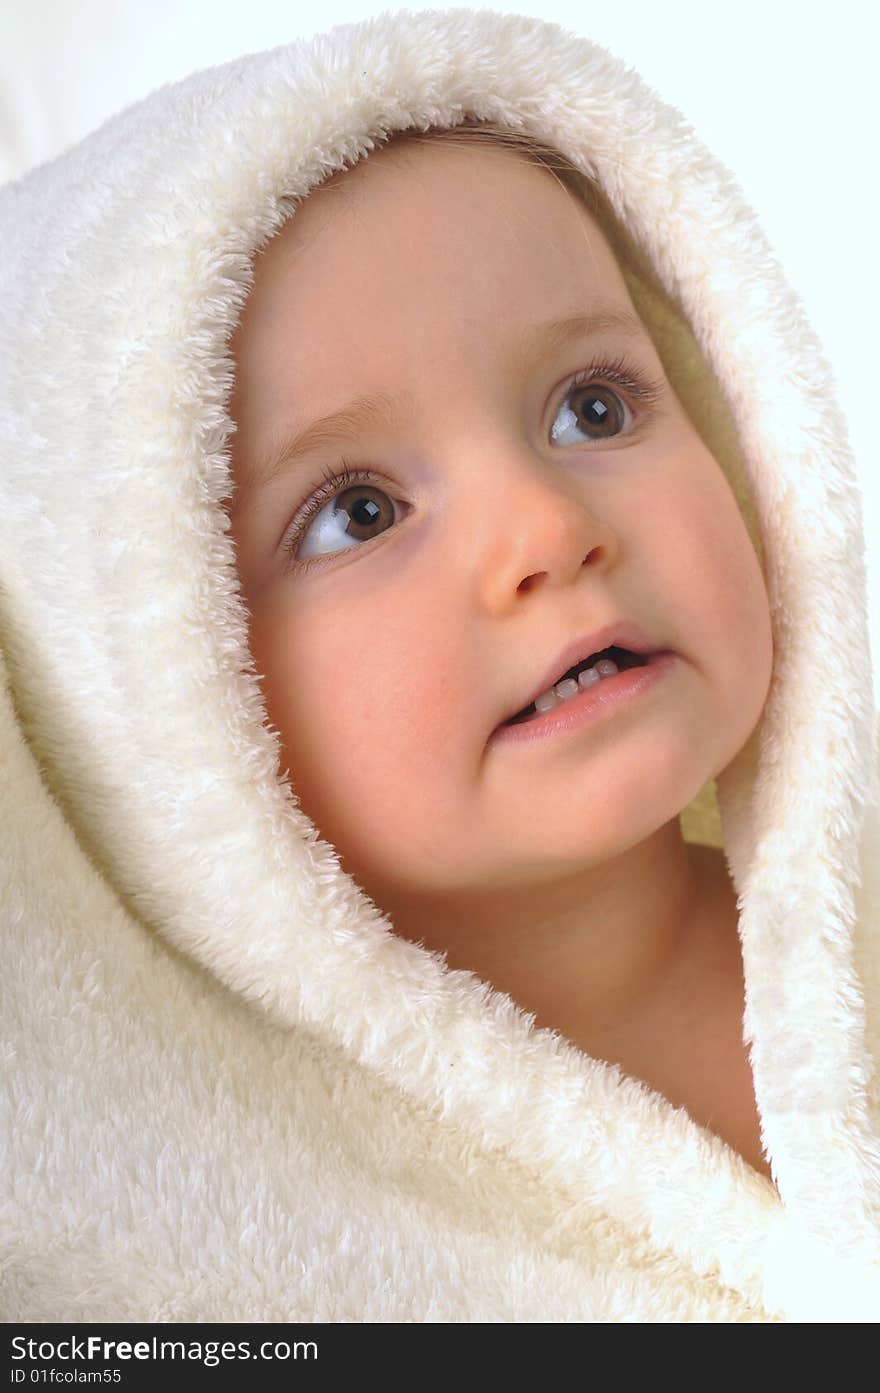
x=568, y=687
x=589, y=677
x=546, y=701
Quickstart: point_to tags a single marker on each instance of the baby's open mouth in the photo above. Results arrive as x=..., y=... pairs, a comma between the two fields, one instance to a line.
x=582, y=676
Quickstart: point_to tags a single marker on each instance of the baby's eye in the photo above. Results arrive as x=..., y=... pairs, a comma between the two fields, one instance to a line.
x=355, y=514
x=596, y=409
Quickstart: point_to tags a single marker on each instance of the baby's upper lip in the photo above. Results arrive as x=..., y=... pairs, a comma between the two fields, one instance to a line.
x=620, y=633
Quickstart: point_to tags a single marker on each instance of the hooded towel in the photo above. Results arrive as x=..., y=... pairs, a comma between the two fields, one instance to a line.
x=230, y=1092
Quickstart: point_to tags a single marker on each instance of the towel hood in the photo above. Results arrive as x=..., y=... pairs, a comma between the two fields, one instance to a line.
x=130, y=689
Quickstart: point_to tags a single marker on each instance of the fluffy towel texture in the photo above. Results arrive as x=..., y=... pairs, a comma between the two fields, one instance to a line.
x=230, y=1091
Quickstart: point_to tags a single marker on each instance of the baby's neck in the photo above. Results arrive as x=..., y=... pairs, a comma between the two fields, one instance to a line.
x=687, y=971
x=688, y=1043
x=649, y=977
x=598, y=950
x=699, y=981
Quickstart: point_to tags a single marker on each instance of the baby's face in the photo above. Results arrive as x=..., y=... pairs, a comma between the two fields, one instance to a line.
x=496, y=514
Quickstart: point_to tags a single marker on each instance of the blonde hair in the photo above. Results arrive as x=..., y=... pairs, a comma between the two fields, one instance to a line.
x=521, y=143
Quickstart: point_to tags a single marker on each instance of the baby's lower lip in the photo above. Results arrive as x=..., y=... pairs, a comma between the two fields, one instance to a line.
x=596, y=703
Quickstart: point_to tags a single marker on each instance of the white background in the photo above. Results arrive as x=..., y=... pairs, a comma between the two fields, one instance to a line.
x=783, y=92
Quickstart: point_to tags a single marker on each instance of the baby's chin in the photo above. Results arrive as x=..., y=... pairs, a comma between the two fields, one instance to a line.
x=521, y=871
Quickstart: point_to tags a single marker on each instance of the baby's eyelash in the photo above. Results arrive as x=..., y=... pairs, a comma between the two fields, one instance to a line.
x=335, y=480
x=623, y=373
x=620, y=371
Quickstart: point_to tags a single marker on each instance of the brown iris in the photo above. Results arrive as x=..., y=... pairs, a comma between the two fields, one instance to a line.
x=367, y=509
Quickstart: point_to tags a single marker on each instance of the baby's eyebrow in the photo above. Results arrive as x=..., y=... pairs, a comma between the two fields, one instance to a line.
x=378, y=409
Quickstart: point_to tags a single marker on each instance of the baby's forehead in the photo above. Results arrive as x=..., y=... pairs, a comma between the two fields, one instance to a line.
x=330, y=288
x=411, y=168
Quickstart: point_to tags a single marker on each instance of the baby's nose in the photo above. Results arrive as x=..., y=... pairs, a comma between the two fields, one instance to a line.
x=544, y=532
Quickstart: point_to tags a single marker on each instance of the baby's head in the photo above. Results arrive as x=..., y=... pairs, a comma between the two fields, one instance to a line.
x=507, y=471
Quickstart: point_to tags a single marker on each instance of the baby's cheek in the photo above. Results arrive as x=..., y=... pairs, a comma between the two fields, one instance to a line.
x=367, y=758
x=734, y=620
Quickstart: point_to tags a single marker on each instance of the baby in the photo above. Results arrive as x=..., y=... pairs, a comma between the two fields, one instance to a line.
x=461, y=472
